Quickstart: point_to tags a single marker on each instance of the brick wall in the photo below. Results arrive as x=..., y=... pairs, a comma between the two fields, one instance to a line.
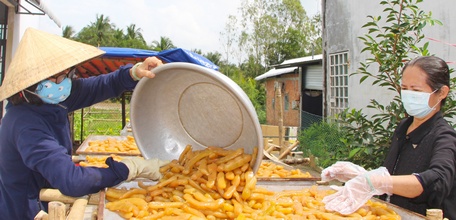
x=290, y=96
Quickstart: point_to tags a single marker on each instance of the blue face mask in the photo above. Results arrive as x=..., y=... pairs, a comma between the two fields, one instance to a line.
x=416, y=103
x=53, y=93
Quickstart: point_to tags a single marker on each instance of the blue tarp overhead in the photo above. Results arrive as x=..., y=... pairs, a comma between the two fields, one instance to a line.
x=182, y=55
x=168, y=56
x=121, y=52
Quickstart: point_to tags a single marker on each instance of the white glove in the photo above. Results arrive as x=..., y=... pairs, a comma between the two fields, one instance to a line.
x=358, y=190
x=139, y=167
x=342, y=171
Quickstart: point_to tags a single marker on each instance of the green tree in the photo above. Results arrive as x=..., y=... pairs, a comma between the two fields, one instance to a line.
x=214, y=57
x=134, y=38
x=102, y=28
x=315, y=40
x=164, y=43
x=198, y=51
x=229, y=37
x=68, y=32
x=98, y=33
x=268, y=32
x=134, y=33
x=389, y=43
x=249, y=86
x=252, y=68
x=118, y=37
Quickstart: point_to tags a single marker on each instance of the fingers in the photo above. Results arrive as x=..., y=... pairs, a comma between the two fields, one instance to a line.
x=145, y=69
x=342, y=171
x=326, y=174
x=340, y=203
x=335, y=171
x=328, y=199
x=334, y=187
x=349, y=198
x=152, y=62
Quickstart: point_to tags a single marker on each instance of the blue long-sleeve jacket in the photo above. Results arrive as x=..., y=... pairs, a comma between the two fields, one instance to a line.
x=35, y=148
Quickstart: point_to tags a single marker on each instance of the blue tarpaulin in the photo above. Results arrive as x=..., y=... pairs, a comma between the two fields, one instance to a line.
x=168, y=56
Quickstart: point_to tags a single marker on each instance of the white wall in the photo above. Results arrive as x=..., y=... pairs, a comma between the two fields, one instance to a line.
x=343, y=22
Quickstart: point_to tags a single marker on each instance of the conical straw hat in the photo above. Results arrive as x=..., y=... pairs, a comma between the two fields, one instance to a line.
x=41, y=55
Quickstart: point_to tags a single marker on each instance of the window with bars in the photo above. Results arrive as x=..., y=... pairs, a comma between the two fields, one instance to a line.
x=338, y=79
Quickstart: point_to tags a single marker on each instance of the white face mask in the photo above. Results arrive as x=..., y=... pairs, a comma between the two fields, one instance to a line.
x=416, y=103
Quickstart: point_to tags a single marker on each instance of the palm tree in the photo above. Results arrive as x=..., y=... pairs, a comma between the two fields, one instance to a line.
x=134, y=33
x=198, y=51
x=134, y=38
x=102, y=26
x=118, y=37
x=165, y=43
x=215, y=57
x=68, y=32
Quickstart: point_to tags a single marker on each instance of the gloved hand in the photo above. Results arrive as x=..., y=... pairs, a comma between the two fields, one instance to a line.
x=139, y=167
x=342, y=171
x=358, y=190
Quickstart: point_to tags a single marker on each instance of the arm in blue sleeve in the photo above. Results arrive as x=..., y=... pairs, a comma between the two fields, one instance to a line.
x=44, y=155
x=88, y=91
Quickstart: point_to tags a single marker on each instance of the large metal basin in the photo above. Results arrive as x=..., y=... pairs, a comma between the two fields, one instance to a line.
x=190, y=104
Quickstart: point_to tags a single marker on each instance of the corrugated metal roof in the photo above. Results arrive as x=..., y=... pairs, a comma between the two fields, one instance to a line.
x=301, y=60
x=289, y=66
x=275, y=72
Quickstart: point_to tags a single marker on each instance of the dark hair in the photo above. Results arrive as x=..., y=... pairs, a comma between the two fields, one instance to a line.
x=19, y=98
x=436, y=69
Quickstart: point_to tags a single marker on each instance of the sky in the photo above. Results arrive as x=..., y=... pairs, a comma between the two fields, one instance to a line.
x=190, y=24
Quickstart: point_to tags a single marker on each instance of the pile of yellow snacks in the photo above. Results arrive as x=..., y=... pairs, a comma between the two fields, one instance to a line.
x=219, y=184
x=93, y=161
x=270, y=169
x=112, y=145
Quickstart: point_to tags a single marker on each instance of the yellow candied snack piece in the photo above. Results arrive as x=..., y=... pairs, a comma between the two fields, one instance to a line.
x=112, y=145
x=270, y=169
x=95, y=161
x=225, y=193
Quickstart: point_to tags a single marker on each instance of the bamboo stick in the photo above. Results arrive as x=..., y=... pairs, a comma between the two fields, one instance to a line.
x=78, y=209
x=287, y=150
x=56, y=210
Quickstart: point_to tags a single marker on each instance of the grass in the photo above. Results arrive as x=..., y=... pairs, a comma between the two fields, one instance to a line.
x=100, y=119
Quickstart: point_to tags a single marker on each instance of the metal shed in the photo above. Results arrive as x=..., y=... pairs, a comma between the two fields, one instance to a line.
x=302, y=105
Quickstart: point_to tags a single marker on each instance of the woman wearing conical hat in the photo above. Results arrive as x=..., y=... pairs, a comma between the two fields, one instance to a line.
x=35, y=144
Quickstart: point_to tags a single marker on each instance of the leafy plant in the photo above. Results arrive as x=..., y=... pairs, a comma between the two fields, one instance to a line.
x=97, y=121
x=326, y=141
x=390, y=42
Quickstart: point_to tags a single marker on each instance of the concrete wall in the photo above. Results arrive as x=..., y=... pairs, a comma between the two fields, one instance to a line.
x=342, y=26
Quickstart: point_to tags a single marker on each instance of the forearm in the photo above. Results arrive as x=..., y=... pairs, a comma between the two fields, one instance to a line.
x=407, y=186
